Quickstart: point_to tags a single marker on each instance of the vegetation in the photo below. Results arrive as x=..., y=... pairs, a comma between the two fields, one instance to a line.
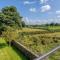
x=40, y=43
x=55, y=56
x=8, y=52
x=12, y=17
x=9, y=17
x=10, y=34
x=10, y=21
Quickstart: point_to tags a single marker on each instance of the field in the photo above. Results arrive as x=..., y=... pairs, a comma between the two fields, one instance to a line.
x=49, y=28
x=54, y=27
x=55, y=56
x=9, y=53
x=42, y=42
x=39, y=41
x=31, y=30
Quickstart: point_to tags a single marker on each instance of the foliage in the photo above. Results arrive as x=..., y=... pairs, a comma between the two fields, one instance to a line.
x=55, y=56
x=39, y=43
x=23, y=24
x=10, y=34
x=9, y=16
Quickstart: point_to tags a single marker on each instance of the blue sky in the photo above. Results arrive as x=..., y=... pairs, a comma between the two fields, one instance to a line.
x=36, y=11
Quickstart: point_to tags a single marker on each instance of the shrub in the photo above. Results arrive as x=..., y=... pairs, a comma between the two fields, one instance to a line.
x=10, y=34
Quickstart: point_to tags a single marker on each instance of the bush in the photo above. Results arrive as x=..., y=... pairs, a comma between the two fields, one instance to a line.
x=10, y=34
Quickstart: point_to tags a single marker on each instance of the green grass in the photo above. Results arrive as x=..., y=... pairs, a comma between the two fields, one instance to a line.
x=41, y=43
x=55, y=56
x=9, y=53
x=54, y=27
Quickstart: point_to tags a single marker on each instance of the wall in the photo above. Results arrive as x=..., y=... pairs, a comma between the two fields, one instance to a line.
x=24, y=50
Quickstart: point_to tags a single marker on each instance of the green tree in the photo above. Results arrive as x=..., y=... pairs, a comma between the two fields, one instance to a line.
x=9, y=20
x=23, y=24
x=12, y=17
x=2, y=24
x=10, y=34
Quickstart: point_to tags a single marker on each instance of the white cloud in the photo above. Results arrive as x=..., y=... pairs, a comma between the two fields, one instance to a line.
x=41, y=21
x=32, y=9
x=45, y=8
x=58, y=16
x=44, y=21
x=26, y=20
x=58, y=12
x=43, y=1
x=27, y=2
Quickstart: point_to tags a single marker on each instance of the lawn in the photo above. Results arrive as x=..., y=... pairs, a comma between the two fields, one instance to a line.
x=9, y=53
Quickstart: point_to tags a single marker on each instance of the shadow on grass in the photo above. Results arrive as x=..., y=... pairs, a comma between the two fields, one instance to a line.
x=20, y=53
x=3, y=45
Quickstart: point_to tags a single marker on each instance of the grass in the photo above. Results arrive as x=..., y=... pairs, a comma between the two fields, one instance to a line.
x=9, y=53
x=55, y=56
x=31, y=30
x=40, y=43
x=54, y=27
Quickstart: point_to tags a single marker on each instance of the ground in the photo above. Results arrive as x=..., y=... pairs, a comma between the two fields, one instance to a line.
x=9, y=53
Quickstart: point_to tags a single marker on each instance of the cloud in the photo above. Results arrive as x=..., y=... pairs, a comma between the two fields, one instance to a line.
x=28, y=2
x=26, y=20
x=41, y=21
x=43, y=1
x=58, y=12
x=44, y=21
x=45, y=8
x=58, y=16
x=32, y=9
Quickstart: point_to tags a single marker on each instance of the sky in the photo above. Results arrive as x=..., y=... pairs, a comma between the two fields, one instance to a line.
x=36, y=11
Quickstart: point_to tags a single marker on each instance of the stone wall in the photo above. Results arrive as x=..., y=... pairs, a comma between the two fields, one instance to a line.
x=24, y=50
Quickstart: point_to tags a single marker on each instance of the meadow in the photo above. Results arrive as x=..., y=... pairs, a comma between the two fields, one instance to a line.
x=39, y=41
x=55, y=56
x=42, y=42
x=54, y=27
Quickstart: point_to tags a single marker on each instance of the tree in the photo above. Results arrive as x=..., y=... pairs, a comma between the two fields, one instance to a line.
x=12, y=17
x=9, y=20
x=2, y=25
x=52, y=24
x=23, y=24
x=10, y=34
